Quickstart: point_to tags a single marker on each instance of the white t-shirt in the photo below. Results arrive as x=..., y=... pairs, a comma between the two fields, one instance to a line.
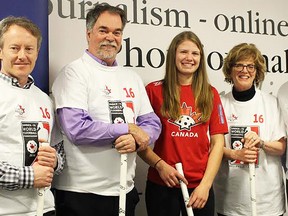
x=283, y=103
x=109, y=94
x=232, y=188
x=26, y=115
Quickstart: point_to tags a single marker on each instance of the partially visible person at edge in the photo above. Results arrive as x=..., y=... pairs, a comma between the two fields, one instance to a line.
x=26, y=121
x=93, y=95
x=283, y=103
x=256, y=135
x=193, y=131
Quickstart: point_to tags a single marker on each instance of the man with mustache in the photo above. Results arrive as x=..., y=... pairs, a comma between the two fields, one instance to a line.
x=104, y=111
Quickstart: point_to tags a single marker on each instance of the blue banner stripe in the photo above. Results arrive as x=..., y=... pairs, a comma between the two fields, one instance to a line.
x=37, y=11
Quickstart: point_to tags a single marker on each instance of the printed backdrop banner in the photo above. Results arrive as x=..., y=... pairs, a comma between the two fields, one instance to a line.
x=37, y=11
x=152, y=25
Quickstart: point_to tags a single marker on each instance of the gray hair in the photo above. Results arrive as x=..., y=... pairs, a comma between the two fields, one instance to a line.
x=94, y=13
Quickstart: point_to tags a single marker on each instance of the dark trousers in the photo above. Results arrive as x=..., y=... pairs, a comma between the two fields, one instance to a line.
x=51, y=213
x=225, y=215
x=87, y=204
x=287, y=187
x=165, y=201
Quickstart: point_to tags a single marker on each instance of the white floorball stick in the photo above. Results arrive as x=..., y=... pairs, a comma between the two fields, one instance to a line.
x=123, y=185
x=252, y=188
x=41, y=193
x=184, y=189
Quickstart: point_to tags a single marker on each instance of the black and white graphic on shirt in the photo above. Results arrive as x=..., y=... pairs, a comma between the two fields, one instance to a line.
x=121, y=111
x=236, y=134
x=33, y=134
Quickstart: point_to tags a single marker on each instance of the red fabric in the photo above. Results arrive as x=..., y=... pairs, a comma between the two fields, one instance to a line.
x=185, y=143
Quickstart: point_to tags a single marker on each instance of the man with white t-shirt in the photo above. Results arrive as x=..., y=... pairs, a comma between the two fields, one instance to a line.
x=26, y=121
x=104, y=111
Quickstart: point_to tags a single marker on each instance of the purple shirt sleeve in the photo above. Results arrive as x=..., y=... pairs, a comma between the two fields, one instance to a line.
x=81, y=129
x=151, y=124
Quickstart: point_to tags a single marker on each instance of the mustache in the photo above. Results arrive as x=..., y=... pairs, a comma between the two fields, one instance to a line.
x=107, y=43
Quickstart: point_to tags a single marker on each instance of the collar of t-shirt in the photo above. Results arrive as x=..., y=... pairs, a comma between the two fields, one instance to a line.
x=14, y=82
x=244, y=95
x=99, y=60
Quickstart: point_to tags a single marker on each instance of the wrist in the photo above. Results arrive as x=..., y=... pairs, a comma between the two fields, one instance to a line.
x=136, y=146
x=131, y=128
x=233, y=154
x=262, y=145
x=155, y=164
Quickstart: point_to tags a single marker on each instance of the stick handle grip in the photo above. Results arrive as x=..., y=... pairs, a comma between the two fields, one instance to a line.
x=41, y=193
x=184, y=190
x=123, y=184
x=252, y=188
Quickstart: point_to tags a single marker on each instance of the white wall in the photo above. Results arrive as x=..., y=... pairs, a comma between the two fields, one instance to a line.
x=219, y=24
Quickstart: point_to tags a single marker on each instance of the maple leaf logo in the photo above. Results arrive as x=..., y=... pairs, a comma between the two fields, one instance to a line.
x=188, y=118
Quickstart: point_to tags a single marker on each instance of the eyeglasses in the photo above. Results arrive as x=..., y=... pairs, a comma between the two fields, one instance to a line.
x=240, y=67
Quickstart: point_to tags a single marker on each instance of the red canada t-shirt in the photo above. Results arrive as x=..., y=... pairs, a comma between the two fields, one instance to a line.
x=185, y=140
